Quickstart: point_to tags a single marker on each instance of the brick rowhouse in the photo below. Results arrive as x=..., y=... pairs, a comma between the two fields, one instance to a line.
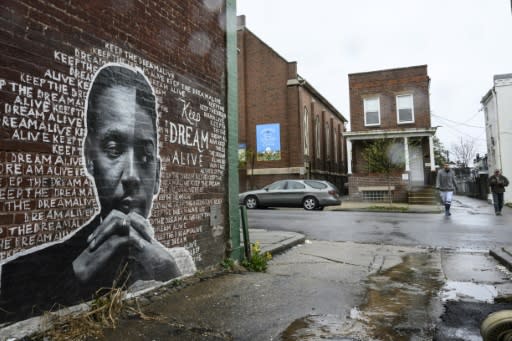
x=379, y=93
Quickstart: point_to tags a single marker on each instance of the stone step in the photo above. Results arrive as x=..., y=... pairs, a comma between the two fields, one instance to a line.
x=422, y=196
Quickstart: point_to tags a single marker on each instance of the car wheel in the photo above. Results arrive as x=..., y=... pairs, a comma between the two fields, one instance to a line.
x=309, y=203
x=251, y=202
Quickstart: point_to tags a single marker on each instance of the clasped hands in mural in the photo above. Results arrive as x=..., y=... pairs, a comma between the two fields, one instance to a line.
x=130, y=236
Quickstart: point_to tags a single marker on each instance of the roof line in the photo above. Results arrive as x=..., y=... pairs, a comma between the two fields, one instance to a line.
x=391, y=69
x=331, y=107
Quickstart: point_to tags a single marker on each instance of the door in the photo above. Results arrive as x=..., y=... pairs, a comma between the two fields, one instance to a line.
x=417, y=174
x=271, y=196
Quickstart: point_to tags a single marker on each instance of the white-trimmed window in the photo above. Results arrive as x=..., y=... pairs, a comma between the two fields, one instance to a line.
x=328, y=140
x=342, y=147
x=317, y=137
x=404, y=109
x=305, y=123
x=335, y=142
x=372, y=111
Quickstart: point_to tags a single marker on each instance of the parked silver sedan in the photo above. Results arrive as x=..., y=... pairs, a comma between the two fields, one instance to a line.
x=310, y=194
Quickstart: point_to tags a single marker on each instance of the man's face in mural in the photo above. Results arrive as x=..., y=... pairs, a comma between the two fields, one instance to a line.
x=121, y=152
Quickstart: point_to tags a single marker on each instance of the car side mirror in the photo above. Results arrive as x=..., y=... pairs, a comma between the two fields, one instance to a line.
x=266, y=189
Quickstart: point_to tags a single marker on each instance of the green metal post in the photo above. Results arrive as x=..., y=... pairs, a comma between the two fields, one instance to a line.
x=245, y=230
x=232, y=106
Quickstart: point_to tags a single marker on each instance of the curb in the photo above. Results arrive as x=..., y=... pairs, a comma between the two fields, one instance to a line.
x=503, y=257
x=383, y=211
x=283, y=247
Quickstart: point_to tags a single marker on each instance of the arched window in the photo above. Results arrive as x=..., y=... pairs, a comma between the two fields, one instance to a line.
x=305, y=124
x=335, y=141
x=328, y=141
x=317, y=137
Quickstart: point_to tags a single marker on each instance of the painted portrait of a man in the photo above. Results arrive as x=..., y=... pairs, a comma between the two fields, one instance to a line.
x=121, y=157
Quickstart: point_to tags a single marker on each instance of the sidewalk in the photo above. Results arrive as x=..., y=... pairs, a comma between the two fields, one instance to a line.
x=275, y=241
x=361, y=206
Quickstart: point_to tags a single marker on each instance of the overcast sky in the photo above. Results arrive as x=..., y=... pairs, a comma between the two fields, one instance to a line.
x=463, y=42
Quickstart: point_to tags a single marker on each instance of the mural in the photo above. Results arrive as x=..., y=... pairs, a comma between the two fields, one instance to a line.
x=268, y=142
x=120, y=164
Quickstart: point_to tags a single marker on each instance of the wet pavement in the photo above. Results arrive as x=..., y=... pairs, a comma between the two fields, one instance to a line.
x=318, y=285
x=398, y=305
x=399, y=286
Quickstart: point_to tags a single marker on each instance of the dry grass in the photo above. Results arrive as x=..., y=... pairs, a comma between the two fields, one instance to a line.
x=105, y=311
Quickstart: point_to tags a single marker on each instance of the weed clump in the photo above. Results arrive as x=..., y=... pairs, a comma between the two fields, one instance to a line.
x=258, y=261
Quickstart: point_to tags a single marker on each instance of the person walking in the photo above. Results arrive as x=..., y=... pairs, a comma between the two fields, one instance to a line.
x=445, y=183
x=498, y=183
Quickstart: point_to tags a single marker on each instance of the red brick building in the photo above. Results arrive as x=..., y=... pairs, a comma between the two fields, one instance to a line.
x=112, y=112
x=278, y=109
x=390, y=104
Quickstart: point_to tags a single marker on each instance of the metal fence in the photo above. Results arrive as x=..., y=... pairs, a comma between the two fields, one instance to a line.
x=472, y=183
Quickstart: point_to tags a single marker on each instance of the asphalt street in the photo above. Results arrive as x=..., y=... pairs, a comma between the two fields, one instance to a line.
x=472, y=226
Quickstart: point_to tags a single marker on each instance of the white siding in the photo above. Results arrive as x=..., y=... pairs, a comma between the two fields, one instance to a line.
x=498, y=124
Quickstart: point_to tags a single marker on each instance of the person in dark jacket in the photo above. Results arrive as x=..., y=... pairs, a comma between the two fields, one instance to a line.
x=446, y=184
x=498, y=183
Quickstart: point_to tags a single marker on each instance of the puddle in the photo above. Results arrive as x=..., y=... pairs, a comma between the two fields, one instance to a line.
x=398, y=307
x=317, y=327
x=456, y=291
x=461, y=334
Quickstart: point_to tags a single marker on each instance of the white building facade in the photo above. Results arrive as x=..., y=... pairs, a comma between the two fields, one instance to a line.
x=497, y=105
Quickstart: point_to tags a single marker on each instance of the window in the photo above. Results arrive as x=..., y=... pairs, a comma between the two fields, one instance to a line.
x=404, y=109
x=335, y=138
x=277, y=185
x=317, y=137
x=306, y=131
x=375, y=196
x=371, y=111
x=328, y=140
x=315, y=184
x=295, y=185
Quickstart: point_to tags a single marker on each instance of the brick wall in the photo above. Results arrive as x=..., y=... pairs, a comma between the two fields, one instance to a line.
x=387, y=84
x=51, y=186
x=355, y=181
x=265, y=98
x=263, y=94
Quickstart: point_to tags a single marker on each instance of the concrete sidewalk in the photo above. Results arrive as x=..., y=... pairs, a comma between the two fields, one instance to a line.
x=275, y=241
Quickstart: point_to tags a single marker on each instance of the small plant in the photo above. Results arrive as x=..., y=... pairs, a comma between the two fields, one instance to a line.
x=176, y=283
x=258, y=261
x=228, y=264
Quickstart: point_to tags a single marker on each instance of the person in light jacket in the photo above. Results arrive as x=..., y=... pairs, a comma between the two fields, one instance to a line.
x=445, y=183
